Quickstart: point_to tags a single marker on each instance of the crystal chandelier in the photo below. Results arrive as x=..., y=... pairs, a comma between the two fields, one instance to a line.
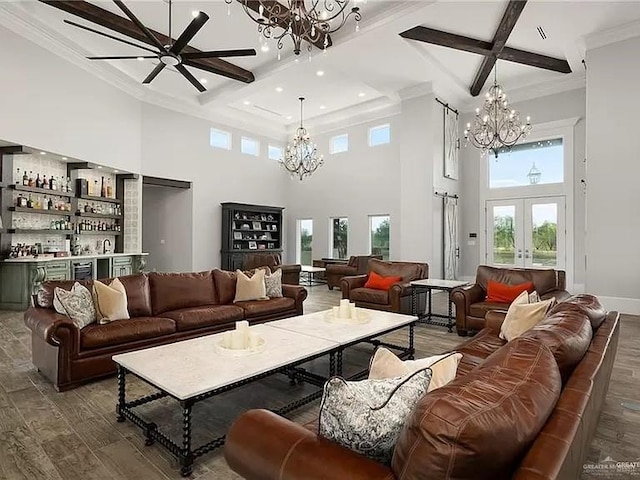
x=301, y=157
x=299, y=19
x=496, y=125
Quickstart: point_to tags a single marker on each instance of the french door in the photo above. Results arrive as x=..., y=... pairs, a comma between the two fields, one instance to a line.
x=526, y=232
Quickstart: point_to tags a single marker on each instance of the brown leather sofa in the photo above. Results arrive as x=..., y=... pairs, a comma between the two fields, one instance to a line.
x=290, y=273
x=164, y=308
x=470, y=300
x=357, y=265
x=398, y=298
x=523, y=410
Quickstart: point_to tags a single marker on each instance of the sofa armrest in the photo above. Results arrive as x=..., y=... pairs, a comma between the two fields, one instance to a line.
x=396, y=292
x=298, y=293
x=349, y=283
x=463, y=297
x=261, y=445
x=288, y=268
x=46, y=324
x=494, y=319
x=560, y=295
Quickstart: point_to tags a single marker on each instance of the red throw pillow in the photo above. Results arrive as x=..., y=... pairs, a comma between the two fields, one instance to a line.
x=502, y=293
x=378, y=282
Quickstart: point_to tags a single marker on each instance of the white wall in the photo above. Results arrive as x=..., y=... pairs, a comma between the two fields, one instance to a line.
x=176, y=146
x=613, y=171
x=550, y=108
x=49, y=103
x=167, y=228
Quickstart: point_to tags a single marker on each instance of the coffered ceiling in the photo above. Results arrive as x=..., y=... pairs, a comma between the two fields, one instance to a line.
x=373, y=65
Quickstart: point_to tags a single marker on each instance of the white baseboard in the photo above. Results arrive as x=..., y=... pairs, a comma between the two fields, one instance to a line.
x=621, y=304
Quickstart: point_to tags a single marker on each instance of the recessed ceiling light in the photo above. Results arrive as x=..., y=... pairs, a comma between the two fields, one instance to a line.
x=320, y=73
x=289, y=117
x=99, y=166
x=141, y=59
x=264, y=47
x=116, y=171
x=361, y=94
x=43, y=153
x=246, y=102
x=195, y=13
x=279, y=89
x=64, y=158
x=322, y=107
x=203, y=80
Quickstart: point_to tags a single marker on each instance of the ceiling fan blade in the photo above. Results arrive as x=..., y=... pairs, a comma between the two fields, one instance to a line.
x=139, y=24
x=154, y=73
x=194, y=81
x=247, y=52
x=108, y=36
x=189, y=32
x=122, y=58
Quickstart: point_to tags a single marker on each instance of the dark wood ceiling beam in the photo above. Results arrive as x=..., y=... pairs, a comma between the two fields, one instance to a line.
x=255, y=6
x=124, y=26
x=534, y=60
x=509, y=20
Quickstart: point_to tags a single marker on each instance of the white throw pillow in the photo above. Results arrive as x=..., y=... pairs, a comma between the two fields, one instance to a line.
x=110, y=301
x=523, y=315
x=273, y=284
x=250, y=288
x=385, y=364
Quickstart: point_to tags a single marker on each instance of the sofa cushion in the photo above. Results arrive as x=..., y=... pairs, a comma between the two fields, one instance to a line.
x=116, y=333
x=260, y=308
x=173, y=291
x=202, y=317
x=483, y=344
x=480, y=309
x=110, y=301
x=588, y=304
x=568, y=336
x=480, y=425
x=225, y=282
x=45, y=294
x=369, y=295
x=543, y=280
x=378, y=282
x=408, y=271
x=506, y=293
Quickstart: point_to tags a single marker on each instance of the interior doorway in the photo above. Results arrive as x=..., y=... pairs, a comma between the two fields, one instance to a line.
x=527, y=232
x=167, y=224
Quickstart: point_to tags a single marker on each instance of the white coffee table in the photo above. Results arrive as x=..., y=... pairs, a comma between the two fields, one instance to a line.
x=193, y=370
x=428, y=285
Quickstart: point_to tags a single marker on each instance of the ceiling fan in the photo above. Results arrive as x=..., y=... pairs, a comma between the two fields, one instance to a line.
x=168, y=55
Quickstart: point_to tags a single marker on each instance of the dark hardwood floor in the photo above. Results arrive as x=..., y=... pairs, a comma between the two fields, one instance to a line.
x=73, y=435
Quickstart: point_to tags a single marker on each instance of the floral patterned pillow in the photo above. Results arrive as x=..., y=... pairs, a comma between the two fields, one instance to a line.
x=367, y=416
x=273, y=284
x=77, y=304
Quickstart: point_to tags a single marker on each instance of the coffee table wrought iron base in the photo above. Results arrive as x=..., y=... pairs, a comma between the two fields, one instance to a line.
x=184, y=452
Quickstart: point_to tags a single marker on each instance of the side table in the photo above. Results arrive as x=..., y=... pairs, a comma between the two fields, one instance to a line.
x=308, y=275
x=428, y=285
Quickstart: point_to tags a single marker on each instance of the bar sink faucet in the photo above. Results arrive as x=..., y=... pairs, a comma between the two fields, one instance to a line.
x=105, y=248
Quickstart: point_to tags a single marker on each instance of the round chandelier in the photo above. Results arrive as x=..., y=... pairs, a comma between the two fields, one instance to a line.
x=299, y=19
x=301, y=156
x=496, y=126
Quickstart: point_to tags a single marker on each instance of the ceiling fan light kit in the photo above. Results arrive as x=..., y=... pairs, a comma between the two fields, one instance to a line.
x=173, y=54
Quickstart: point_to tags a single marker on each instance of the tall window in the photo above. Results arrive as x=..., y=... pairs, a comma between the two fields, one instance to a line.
x=250, y=146
x=379, y=135
x=275, y=153
x=379, y=239
x=533, y=163
x=305, y=237
x=339, y=144
x=220, y=139
x=338, y=237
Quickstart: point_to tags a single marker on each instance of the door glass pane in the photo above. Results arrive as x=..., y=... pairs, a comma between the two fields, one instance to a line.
x=306, y=237
x=504, y=240
x=544, y=218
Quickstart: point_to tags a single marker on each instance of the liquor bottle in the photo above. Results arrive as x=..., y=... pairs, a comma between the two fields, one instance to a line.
x=38, y=182
x=25, y=179
x=31, y=182
x=93, y=208
x=52, y=183
x=89, y=187
x=21, y=201
x=96, y=190
x=50, y=204
x=103, y=188
x=18, y=178
x=68, y=184
x=45, y=182
x=109, y=189
x=30, y=202
x=45, y=204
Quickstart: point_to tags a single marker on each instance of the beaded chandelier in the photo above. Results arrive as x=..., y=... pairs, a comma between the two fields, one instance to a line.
x=301, y=156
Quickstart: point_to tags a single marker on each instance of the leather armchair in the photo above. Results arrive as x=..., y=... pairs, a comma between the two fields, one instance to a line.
x=357, y=265
x=398, y=298
x=470, y=300
x=290, y=273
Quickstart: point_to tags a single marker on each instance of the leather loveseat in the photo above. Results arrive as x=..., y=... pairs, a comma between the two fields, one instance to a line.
x=523, y=410
x=471, y=300
x=398, y=298
x=357, y=265
x=290, y=273
x=164, y=308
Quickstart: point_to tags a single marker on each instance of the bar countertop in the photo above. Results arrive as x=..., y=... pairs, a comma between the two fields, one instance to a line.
x=78, y=257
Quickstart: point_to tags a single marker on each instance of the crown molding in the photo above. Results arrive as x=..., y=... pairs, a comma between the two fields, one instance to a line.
x=418, y=90
x=611, y=35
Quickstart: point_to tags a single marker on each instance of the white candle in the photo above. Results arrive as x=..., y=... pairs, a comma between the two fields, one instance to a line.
x=336, y=312
x=254, y=340
x=237, y=340
x=353, y=315
x=344, y=309
x=226, y=340
x=243, y=330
